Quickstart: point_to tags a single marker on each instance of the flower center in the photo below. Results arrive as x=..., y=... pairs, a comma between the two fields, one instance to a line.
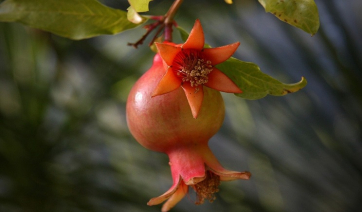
x=191, y=67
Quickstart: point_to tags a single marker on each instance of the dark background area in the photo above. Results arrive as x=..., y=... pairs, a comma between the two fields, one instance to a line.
x=65, y=146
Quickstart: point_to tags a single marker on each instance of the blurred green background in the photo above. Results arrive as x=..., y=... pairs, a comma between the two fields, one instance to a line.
x=65, y=146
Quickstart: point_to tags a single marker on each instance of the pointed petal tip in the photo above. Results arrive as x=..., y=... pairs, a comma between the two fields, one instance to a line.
x=196, y=39
x=168, y=83
x=228, y=175
x=168, y=194
x=221, y=82
x=244, y=175
x=154, y=201
x=168, y=52
x=220, y=54
x=160, y=199
x=158, y=46
x=175, y=198
x=195, y=113
x=154, y=93
x=238, y=90
x=235, y=176
x=194, y=97
x=234, y=45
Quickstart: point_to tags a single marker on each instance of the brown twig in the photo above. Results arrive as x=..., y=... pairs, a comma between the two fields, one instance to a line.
x=165, y=23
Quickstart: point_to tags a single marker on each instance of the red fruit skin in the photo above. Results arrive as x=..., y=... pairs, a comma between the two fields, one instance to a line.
x=164, y=123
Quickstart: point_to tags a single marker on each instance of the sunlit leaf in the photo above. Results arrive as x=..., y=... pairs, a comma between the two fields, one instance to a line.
x=139, y=5
x=254, y=83
x=136, y=7
x=133, y=16
x=299, y=13
x=75, y=19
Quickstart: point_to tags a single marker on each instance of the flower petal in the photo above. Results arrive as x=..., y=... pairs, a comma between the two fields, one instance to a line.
x=220, y=54
x=176, y=197
x=168, y=83
x=194, y=97
x=167, y=194
x=196, y=39
x=219, y=81
x=227, y=175
x=214, y=165
x=168, y=52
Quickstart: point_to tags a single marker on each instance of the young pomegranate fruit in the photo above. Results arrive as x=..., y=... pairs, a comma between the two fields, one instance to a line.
x=166, y=123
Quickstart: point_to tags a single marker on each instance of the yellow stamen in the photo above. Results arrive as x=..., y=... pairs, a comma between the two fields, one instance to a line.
x=190, y=67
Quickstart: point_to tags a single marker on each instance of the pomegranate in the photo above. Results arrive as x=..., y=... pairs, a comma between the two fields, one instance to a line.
x=168, y=116
x=166, y=123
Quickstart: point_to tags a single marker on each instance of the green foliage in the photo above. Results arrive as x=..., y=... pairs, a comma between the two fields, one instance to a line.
x=88, y=18
x=184, y=35
x=254, y=83
x=139, y=5
x=136, y=7
x=299, y=13
x=68, y=18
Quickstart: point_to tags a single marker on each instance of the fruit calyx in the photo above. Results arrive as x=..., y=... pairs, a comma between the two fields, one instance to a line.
x=197, y=167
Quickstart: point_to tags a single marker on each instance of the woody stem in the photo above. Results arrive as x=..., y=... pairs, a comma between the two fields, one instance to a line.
x=165, y=22
x=169, y=19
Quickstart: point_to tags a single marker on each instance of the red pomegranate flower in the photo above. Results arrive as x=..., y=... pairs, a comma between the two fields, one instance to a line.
x=192, y=66
x=199, y=168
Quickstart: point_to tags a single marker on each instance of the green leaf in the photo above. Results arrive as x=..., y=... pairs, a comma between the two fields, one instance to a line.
x=133, y=16
x=139, y=5
x=136, y=7
x=184, y=35
x=254, y=83
x=299, y=13
x=74, y=19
